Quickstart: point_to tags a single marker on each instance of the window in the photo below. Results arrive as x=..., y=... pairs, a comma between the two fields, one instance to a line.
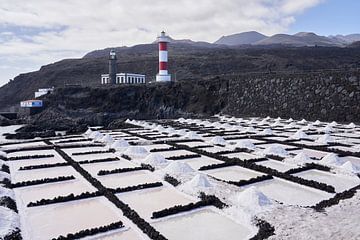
x=104, y=80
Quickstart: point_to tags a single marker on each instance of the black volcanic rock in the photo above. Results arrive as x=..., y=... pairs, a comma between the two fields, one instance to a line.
x=4, y=121
x=285, y=95
x=355, y=45
x=186, y=62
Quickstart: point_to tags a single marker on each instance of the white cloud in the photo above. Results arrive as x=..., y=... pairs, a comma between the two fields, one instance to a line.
x=74, y=27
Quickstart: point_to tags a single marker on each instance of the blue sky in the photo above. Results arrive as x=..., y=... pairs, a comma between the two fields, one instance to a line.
x=330, y=18
x=39, y=32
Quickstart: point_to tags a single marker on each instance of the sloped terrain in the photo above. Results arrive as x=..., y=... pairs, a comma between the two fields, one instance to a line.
x=324, y=96
x=187, y=62
x=241, y=38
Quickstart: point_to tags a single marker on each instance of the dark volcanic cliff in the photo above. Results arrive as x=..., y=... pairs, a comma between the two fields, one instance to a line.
x=324, y=96
x=187, y=62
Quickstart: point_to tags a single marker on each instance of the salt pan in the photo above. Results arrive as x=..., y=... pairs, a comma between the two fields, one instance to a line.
x=178, y=168
x=331, y=159
x=245, y=143
x=136, y=151
x=121, y=143
x=155, y=159
x=218, y=140
x=276, y=150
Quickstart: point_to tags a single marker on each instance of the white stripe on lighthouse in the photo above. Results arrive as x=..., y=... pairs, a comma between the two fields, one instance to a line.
x=163, y=56
x=163, y=72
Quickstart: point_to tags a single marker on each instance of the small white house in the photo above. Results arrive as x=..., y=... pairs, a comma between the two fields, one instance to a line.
x=31, y=104
x=43, y=91
x=124, y=78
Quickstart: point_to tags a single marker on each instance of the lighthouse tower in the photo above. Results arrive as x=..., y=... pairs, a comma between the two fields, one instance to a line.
x=163, y=75
x=112, y=67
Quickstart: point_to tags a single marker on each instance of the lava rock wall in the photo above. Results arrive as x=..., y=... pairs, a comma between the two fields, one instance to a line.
x=323, y=96
x=328, y=97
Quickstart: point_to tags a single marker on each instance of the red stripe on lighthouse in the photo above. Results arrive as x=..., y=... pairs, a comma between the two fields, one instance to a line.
x=163, y=46
x=163, y=65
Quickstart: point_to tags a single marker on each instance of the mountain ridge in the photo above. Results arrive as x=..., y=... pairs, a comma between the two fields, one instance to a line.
x=241, y=38
x=188, y=60
x=299, y=39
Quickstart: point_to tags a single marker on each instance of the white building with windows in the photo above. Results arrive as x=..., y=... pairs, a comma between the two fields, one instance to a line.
x=124, y=78
x=43, y=91
x=31, y=104
x=120, y=78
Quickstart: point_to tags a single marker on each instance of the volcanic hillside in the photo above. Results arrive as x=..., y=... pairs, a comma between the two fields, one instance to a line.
x=188, y=61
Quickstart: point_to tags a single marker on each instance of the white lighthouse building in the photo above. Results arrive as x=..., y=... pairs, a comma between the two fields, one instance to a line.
x=163, y=75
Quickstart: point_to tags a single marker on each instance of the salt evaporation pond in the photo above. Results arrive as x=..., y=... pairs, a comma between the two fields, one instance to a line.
x=311, y=153
x=70, y=151
x=91, y=157
x=251, y=140
x=197, y=163
x=94, y=168
x=215, y=149
x=242, y=156
x=128, y=234
x=154, y=146
x=338, y=181
x=51, y=190
x=47, y=222
x=72, y=139
x=284, y=146
x=156, y=199
x=37, y=174
x=277, y=165
x=122, y=180
x=34, y=152
x=204, y=224
x=291, y=193
x=23, y=145
x=354, y=160
x=15, y=165
x=195, y=144
x=233, y=173
x=175, y=153
x=308, y=143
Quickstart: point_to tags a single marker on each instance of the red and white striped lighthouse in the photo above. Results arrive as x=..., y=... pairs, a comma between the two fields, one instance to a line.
x=163, y=75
